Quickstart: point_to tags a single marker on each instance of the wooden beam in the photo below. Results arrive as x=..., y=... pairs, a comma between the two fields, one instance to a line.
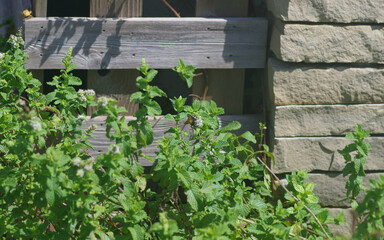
x=116, y=8
x=225, y=86
x=101, y=143
x=40, y=8
x=118, y=84
x=122, y=43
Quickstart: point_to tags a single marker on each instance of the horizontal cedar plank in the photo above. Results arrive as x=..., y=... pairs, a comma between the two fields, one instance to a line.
x=101, y=143
x=121, y=43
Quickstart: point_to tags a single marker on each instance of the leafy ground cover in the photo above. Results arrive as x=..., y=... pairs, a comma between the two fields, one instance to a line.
x=205, y=184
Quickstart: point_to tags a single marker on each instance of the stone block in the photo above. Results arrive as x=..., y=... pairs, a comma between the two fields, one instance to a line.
x=341, y=11
x=330, y=187
x=347, y=228
x=326, y=120
x=320, y=154
x=328, y=43
x=293, y=83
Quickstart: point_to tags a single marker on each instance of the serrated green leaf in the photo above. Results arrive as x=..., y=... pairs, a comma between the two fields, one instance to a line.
x=192, y=200
x=312, y=199
x=234, y=125
x=50, y=196
x=248, y=136
x=74, y=81
x=151, y=75
x=153, y=108
x=298, y=187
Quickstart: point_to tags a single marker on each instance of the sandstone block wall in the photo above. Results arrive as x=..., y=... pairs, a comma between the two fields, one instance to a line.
x=325, y=75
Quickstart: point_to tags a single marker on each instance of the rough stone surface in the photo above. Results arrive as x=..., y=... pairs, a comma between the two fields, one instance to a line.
x=320, y=154
x=294, y=83
x=330, y=188
x=326, y=120
x=328, y=44
x=346, y=229
x=343, y=11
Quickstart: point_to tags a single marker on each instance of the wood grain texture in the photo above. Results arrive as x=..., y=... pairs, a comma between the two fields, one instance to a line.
x=117, y=84
x=225, y=86
x=122, y=43
x=116, y=8
x=101, y=142
x=40, y=8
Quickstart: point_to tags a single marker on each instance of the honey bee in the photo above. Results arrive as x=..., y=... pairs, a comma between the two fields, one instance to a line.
x=191, y=120
x=26, y=14
x=194, y=121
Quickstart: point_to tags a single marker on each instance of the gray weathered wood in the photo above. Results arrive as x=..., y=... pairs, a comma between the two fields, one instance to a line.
x=224, y=86
x=40, y=8
x=101, y=142
x=121, y=83
x=116, y=84
x=122, y=43
x=116, y=8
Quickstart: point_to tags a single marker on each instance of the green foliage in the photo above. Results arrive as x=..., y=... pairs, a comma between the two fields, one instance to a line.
x=206, y=183
x=370, y=211
x=355, y=155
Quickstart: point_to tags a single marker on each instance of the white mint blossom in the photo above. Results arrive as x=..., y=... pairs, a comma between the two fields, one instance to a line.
x=76, y=161
x=115, y=149
x=103, y=101
x=81, y=118
x=198, y=122
x=85, y=93
x=80, y=173
x=1, y=55
x=284, y=182
x=36, y=124
x=88, y=167
x=15, y=41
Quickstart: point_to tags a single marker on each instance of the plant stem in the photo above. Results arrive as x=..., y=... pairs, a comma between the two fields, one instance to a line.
x=172, y=9
x=245, y=231
x=298, y=200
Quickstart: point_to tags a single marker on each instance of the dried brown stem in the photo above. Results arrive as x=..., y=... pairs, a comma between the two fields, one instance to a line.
x=245, y=231
x=294, y=197
x=172, y=9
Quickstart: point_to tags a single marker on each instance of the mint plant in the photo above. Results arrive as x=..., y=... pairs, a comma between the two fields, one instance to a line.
x=206, y=183
x=370, y=211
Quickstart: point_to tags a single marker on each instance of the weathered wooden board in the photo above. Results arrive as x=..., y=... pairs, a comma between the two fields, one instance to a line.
x=40, y=8
x=122, y=43
x=224, y=86
x=101, y=142
x=115, y=83
x=116, y=8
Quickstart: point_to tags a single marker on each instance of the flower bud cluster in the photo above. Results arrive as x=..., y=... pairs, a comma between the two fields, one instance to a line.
x=103, y=101
x=115, y=149
x=81, y=118
x=36, y=124
x=85, y=93
x=198, y=122
x=15, y=41
x=84, y=166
